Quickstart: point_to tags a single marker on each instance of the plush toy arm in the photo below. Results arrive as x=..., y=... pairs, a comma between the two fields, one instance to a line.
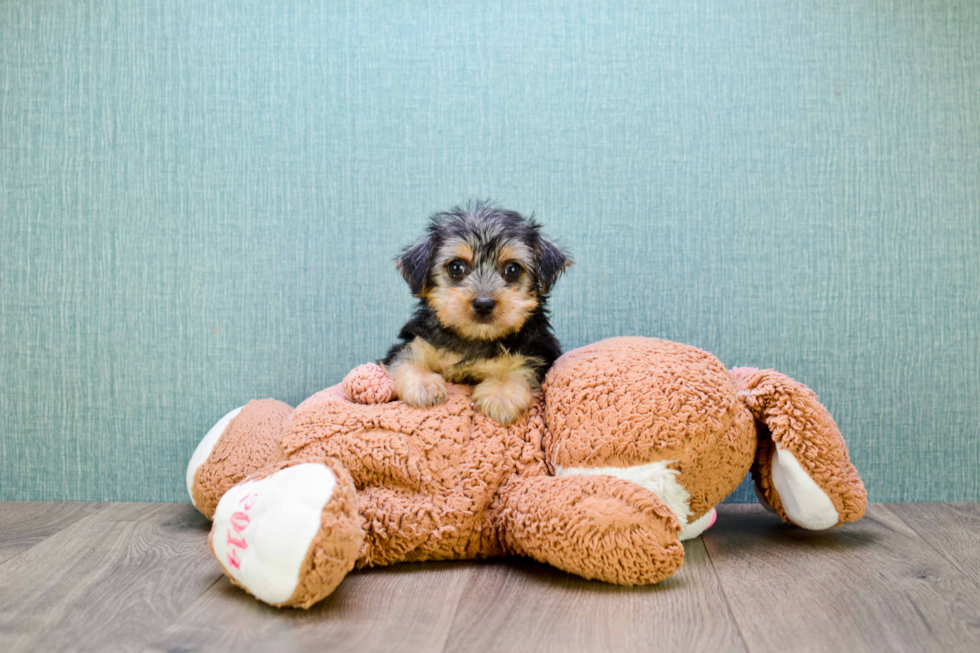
x=369, y=384
x=802, y=468
x=599, y=527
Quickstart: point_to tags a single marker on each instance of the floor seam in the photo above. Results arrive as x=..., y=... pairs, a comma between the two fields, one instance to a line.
x=98, y=508
x=459, y=602
x=724, y=594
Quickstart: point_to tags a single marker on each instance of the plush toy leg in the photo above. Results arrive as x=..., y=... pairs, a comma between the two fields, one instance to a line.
x=802, y=469
x=289, y=533
x=698, y=526
x=598, y=526
x=243, y=441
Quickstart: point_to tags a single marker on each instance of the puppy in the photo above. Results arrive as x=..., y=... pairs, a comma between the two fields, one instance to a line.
x=482, y=276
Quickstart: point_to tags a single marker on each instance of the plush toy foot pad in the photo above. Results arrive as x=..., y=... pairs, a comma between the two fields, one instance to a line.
x=288, y=534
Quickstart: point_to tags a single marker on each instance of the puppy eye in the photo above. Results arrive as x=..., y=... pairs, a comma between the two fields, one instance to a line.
x=512, y=271
x=456, y=269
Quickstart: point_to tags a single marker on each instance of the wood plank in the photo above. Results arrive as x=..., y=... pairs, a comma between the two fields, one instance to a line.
x=25, y=523
x=127, y=576
x=953, y=529
x=110, y=581
x=520, y=605
x=871, y=585
x=406, y=607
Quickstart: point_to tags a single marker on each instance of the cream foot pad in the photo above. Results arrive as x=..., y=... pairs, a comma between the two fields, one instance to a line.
x=264, y=528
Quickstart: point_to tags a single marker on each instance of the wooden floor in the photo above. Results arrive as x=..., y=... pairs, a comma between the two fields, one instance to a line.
x=139, y=577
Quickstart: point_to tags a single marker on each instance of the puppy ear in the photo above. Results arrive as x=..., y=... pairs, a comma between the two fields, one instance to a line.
x=552, y=261
x=414, y=264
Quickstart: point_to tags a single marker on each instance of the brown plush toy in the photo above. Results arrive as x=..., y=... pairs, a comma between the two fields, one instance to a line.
x=626, y=451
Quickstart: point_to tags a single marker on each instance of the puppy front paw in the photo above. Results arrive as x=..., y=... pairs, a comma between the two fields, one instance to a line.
x=502, y=400
x=420, y=389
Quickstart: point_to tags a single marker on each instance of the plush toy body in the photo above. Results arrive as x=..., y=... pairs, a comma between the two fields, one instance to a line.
x=624, y=454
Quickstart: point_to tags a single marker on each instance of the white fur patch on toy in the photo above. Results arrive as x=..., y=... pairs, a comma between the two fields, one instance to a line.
x=656, y=477
x=204, y=449
x=692, y=529
x=804, y=502
x=263, y=529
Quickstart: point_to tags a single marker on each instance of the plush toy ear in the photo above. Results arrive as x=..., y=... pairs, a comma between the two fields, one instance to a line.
x=802, y=468
x=414, y=264
x=552, y=261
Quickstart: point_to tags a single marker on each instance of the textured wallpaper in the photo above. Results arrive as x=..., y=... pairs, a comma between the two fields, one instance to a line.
x=200, y=203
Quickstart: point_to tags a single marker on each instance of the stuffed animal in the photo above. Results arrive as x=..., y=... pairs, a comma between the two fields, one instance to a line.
x=630, y=444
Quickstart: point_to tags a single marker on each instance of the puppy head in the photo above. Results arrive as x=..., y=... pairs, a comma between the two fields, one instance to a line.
x=483, y=270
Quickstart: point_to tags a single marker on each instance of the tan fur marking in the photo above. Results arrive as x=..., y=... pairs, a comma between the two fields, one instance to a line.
x=506, y=254
x=503, y=399
x=514, y=305
x=504, y=393
x=423, y=353
x=454, y=248
x=453, y=306
x=515, y=250
x=419, y=387
x=503, y=365
x=507, y=388
x=417, y=373
x=463, y=251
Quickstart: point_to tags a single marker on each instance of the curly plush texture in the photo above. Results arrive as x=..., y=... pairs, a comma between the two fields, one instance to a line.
x=629, y=401
x=332, y=552
x=426, y=477
x=628, y=442
x=794, y=419
x=598, y=527
x=250, y=442
x=369, y=384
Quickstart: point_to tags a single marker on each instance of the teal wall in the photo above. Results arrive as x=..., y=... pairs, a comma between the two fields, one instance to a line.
x=200, y=203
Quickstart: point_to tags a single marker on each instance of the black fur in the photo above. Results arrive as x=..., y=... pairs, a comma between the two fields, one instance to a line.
x=551, y=263
x=491, y=228
x=534, y=340
x=415, y=263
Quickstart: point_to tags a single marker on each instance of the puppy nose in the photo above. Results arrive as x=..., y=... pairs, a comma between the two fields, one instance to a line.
x=484, y=305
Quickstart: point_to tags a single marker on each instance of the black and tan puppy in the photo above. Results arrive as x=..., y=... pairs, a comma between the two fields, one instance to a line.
x=482, y=276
